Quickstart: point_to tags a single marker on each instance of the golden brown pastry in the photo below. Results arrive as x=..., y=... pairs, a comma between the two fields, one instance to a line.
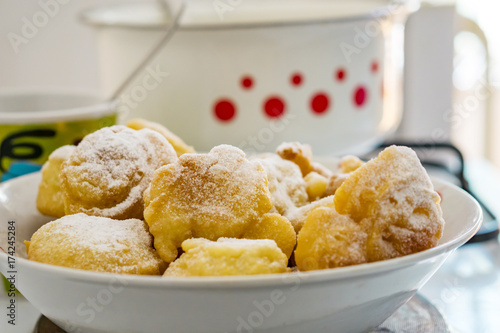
x=286, y=184
x=393, y=196
x=49, y=200
x=228, y=256
x=299, y=215
x=219, y=194
x=316, y=185
x=96, y=244
x=300, y=154
x=179, y=145
x=385, y=208
x=347, y=165
x=275, y=227
x=109, y=170
x=321, y=169
x=328, y=240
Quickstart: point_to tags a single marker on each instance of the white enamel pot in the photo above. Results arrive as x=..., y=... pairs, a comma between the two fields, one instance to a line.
x=256, y=73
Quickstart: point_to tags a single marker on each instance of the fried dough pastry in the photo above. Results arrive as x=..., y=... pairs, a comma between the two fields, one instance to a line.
x=299, y=215
x=96, y=244
x=328, y=240
x=219, y=194
x=316, y=185
x=286, y=184
x=393, y=196
x=335, y=181
x=179, y=145
x=275, y=227
x=321, y=169
x=109, y=170
x=347, y=165
x=49, y=200
x=228, y=256
x=299, y=154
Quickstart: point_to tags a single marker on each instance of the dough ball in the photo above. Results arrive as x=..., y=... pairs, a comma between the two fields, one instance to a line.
x=228, y=256
x=109, y=170
x=179, y=145
x=50, y=200
x=96, y=244
x=219, y=194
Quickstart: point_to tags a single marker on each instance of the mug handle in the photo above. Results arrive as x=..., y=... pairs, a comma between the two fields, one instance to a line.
x=465, y=24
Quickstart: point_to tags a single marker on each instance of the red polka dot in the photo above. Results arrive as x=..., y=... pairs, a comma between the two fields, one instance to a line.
x=341, y=74
x=296, y=79
x=375, y=66
x=224, y=110
x=246, y=82
x=320, y=103
x=360, y=96
x=274, y=107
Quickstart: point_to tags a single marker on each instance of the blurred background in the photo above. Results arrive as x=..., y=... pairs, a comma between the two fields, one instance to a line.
x=63, y=53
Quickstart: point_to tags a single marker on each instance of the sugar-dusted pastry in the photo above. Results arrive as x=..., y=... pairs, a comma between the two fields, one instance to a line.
x=109, y=170
x=347, y=165
x=49, y=200
x=385, y=208
x=286, y=184
x=96, y=244
x=321, y=169
x=335, y=181
x=275, y=227
x=300, y=154
x=299, y=215
x=179, y=145
x=328, y=240
x=228, y=256
x=393, y=196
x=316, y=185
x=219, y=194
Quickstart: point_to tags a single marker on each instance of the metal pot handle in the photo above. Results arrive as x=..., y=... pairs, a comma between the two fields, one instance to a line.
x=173, y=11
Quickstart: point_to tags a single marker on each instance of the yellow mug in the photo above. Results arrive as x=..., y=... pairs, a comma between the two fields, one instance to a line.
x=34, y=124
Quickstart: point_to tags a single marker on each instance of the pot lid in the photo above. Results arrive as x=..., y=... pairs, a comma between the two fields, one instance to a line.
x=244, y=13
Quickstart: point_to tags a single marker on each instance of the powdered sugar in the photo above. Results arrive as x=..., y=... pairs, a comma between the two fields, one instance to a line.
x=205, y=195
x=221, y=184
x=62, y=153
x=298, y=216
x=286, y=184
x=110, y=169
x=234, y=243
x=300, y=154
x=292, y=147
x=96, y=243
x=393, y=197
x=100, y=234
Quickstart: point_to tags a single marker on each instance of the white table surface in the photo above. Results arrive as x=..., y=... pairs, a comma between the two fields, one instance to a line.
x=466, y=289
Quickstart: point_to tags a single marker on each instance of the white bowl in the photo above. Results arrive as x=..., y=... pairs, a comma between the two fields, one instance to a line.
x=350, y=299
